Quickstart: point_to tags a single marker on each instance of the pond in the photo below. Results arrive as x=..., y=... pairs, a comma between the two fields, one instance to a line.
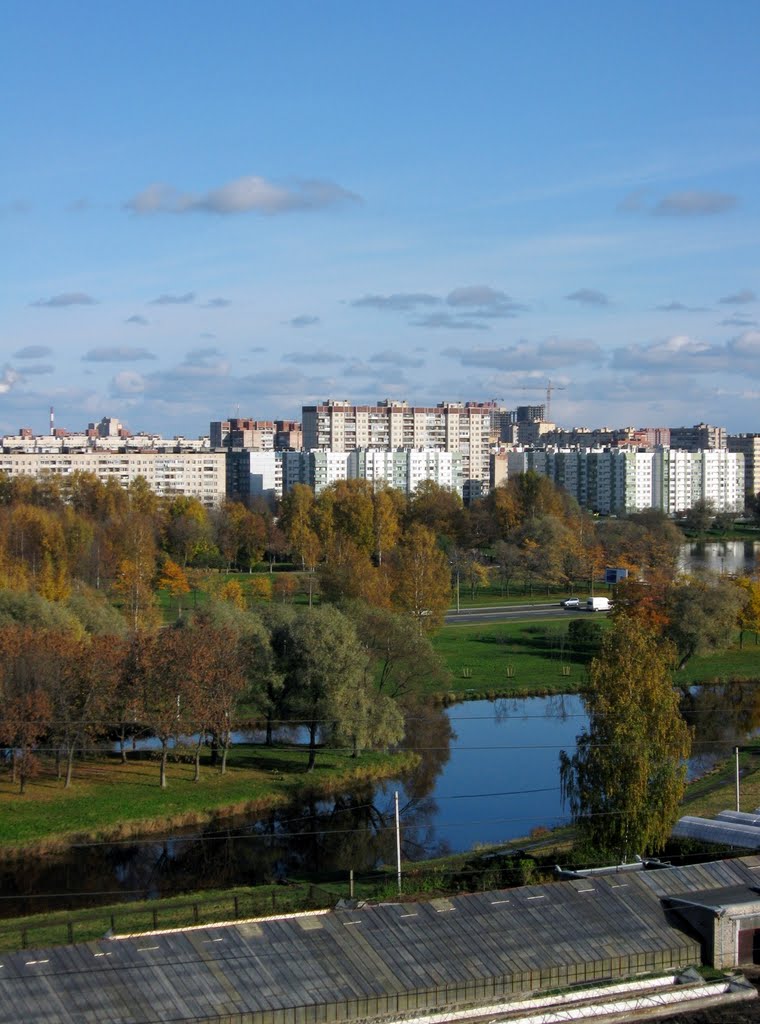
x=488, y=774
x=734, y=557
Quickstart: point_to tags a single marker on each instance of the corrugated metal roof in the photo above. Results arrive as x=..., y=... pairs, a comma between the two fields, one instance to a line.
x=712, y=830
x=364, y=962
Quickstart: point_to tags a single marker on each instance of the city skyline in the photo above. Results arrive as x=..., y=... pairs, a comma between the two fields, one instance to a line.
x=240, y=214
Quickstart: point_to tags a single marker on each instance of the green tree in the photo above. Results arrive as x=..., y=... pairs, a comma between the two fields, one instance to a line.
x=626, y=779
x=749, y=616
x=402, y=660
x=322, y=662
x=703, y=614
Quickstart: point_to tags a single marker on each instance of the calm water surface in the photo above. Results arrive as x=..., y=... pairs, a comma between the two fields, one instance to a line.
x=489, y=772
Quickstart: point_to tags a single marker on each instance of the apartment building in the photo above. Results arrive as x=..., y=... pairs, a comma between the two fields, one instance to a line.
x=698, y=437
x=749, y=446
x=339, y=426
x=257, y=435
x=199, y=474
x=271, y=474
x=615, y=481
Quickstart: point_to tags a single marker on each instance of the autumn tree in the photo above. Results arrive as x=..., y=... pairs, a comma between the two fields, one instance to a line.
x=212, y=687
x=296, y=521
x=388, y=507
x=165, y=678
x=349, y=574
x=241, y=535
x=25, y=707
x=187, y=530
x=421, y=578
x=439, y=510
x=173, y=579
x=508, y=561
x=87, y=674
x=626, y=779
x=353, y=514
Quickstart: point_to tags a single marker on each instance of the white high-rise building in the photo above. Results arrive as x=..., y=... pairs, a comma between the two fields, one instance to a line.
x=620, y=480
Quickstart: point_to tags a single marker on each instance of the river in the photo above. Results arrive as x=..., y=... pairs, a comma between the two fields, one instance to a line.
x=488, y=774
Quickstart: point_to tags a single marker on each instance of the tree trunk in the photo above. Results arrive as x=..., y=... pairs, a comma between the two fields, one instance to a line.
x=197, y=776
x=268, y=740
x=225, y=749
x=69, y=767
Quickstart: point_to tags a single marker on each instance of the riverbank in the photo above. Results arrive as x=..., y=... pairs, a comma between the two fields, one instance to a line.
x=537, y=658
x=109, y=801
x=523, y=861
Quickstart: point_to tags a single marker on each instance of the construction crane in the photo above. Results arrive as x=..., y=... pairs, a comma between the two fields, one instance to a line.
x=548, y=388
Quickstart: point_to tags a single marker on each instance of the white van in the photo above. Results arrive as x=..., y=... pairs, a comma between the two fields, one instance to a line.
x=598, y=604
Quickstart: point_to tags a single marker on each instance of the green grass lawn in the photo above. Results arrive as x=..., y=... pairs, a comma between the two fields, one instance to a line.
x=482, y=656
x=111, y=800
x=507, y=658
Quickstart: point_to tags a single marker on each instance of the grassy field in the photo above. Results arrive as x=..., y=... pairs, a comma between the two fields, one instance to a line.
x=508, y=658
x=111, y=800
x=520, y=658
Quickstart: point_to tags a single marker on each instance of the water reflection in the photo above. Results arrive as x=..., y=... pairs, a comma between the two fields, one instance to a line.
x=723, y=716
x=488, y=773
x=734, y=557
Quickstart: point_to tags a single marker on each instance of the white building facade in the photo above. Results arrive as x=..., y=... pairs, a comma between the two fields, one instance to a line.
x=616, y=481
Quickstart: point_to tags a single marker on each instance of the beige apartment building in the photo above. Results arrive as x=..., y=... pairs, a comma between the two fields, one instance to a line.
x=457, y=427
x=201, y=475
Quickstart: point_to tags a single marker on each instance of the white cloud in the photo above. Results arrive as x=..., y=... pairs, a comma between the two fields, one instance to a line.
x=116, y=354
x=303, y=321
x=248, y=194
x=391, y=358
x=173, y=300
x=400, y=301
x=127, y=383
x=739, y=298
x=33, y=352
x=312, y=356
x=683, y=355
x=8, y=378
x=589, y=297
x=694, y=204
x=66, y=299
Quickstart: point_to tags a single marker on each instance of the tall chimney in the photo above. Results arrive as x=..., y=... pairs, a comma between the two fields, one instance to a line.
x=52, y=420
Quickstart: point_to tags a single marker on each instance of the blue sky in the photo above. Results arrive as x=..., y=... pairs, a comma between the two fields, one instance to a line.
x=210, y=210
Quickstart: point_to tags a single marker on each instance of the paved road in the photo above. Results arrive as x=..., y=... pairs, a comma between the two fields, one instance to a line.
x=512, y=612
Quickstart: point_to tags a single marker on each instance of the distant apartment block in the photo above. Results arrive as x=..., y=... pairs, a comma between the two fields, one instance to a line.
x=466, y=428
x=698, y=437
x=258, y=435
x=198, y=474
x=270, y=474
x=749, y=446
x=616, y=481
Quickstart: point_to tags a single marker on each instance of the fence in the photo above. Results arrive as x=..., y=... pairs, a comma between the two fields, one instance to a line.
x=88, y=925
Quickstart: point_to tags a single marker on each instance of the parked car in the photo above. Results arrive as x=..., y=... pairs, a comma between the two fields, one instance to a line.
x=570, y=602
